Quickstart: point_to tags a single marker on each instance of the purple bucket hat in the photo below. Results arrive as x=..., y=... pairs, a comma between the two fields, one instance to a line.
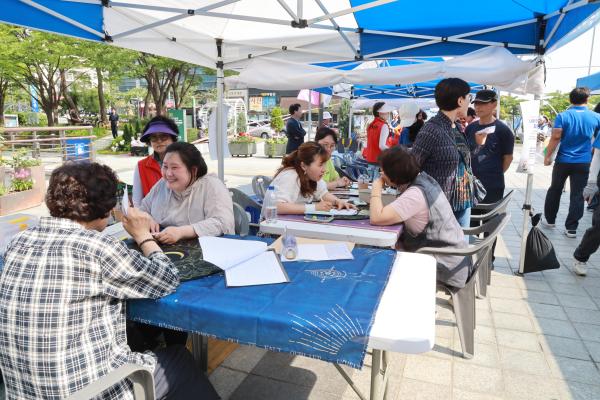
x=158, y=127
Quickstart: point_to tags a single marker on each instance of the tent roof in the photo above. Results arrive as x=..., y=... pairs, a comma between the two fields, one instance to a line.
x=591, y=81
x=309, y=31
x=491, y=66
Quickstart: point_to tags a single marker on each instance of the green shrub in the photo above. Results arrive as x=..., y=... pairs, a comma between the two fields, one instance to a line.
x=127, y=133
x=120, y=145
x=276, y=119
x=241, y=123
x=278, y=140
x=242, y=139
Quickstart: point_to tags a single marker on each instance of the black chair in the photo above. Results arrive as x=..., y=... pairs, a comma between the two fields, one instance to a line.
x=341, y=172
x=485, y=212
x=463, y=299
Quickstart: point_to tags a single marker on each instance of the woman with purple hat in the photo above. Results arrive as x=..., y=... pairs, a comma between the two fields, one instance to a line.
x=159, y=132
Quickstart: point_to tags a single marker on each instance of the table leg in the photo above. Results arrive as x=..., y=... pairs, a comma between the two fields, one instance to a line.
x=379, y=376
x=200, y=351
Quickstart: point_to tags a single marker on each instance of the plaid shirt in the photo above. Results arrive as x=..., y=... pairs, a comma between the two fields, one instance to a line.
x=62, y=308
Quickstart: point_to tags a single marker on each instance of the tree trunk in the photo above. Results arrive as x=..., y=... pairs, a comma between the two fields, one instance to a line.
x=146, y=105
x=73, y=111
x=101, y=100
x=3, y=92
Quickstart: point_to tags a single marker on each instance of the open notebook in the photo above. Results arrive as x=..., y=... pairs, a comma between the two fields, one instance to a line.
x=245, y=262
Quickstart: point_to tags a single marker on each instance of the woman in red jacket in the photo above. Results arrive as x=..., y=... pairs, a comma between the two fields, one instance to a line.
x=377, y=134
x=159, y=132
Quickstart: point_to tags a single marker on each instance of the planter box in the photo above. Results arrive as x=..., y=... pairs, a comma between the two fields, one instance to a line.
x=275, y=149
x=16, y=201
x=242, y=149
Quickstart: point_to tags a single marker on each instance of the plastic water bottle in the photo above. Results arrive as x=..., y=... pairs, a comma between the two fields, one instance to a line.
x=270, y=205
x=289, y=245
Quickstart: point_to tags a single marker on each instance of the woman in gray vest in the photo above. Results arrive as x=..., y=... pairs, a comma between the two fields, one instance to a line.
x=423, y=209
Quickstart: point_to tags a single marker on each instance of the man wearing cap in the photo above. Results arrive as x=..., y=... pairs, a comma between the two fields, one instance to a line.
x=574, y=130
x=159, y=133
x=326, y=121
x=491, y=143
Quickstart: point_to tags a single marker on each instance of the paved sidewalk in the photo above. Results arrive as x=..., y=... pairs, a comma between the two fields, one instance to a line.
x=537, y=337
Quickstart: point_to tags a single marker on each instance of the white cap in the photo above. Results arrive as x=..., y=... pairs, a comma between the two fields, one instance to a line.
x=386, y=108
x=408, y=114
x=326, y=115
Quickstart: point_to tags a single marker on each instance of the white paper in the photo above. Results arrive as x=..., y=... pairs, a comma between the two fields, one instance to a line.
x=322, y=252
x=227, y=253
x=530, y=110
x=334, y=211
x=125, y=203
x=263, y=269
x=486, y=131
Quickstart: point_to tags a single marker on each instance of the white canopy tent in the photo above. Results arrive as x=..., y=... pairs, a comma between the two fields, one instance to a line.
x=494, y=66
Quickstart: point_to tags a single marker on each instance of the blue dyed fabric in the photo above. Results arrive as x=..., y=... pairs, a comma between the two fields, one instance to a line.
x=325, y=311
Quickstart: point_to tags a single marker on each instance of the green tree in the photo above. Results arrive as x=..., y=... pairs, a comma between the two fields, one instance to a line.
x=242, y=126
x=186, y=78
x=554, y=103
x=127, y=133
x=8, y=57
x=344, y=118
x=276, y=119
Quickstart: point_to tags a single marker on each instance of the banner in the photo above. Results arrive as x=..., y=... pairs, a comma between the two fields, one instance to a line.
x=255, y=103
x=179, y=117
x=530, y=110
x=35, y=107
x=212, y=133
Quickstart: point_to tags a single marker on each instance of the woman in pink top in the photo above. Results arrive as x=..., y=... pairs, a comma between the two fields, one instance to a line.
x=424, y=210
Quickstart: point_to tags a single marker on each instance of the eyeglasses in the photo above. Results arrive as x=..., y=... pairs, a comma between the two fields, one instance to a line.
x=159, y=138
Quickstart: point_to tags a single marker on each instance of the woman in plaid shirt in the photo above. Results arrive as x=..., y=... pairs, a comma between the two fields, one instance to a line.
x=64, y=286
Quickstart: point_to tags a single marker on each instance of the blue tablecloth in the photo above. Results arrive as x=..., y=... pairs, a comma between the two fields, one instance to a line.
x=325, y=312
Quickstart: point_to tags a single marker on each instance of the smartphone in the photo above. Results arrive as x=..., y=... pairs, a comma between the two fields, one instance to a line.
x=318, y=218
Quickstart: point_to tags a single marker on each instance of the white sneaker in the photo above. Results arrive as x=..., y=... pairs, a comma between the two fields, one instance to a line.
x=580, y=268
x=547, y=224
x=570, y=234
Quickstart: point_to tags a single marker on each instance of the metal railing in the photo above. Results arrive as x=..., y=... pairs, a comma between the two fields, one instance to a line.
x=54, y=147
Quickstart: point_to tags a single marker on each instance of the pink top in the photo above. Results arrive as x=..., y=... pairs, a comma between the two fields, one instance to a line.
x=411, y=206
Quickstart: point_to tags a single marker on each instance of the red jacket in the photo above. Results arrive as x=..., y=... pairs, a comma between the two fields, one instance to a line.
x=372, y=151
x=149, y=173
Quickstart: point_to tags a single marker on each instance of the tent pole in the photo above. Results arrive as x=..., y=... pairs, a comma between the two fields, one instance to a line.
x=349, y=133
x=526, y=215
x=220, y=123
x=309, y=114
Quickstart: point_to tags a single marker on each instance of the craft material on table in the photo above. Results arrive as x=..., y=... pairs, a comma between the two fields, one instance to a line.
x=251, y=263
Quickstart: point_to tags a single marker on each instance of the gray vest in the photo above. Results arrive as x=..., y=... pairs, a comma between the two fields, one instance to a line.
x=442, y=230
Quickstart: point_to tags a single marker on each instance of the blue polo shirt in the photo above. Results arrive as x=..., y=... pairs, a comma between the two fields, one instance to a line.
x=579, y=126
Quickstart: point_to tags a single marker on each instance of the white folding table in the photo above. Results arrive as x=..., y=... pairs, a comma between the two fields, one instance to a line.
x=367, y=237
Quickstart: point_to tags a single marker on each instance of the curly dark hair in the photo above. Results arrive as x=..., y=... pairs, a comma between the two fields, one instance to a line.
x=82, y=192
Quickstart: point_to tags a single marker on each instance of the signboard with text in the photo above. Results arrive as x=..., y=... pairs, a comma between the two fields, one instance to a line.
x=255, y=103
x=179, y=117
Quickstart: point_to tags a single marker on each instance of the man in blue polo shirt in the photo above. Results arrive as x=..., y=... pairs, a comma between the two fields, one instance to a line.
x=574, y=129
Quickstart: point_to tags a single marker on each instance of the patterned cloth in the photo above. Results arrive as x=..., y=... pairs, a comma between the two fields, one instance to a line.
x=437, y=151
x=62, y=308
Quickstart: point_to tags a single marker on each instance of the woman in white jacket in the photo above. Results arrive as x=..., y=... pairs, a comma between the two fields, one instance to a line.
x=187, y=202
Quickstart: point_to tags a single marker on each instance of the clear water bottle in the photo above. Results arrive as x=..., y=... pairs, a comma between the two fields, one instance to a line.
x=269, y=210
x=289, y=245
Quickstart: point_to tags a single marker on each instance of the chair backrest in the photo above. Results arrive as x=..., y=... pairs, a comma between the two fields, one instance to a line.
x=260, y=183
x=241, y=220
x=492, y=209
x=247, y=203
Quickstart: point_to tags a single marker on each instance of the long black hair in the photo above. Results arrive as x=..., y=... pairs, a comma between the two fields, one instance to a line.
x=191, y=158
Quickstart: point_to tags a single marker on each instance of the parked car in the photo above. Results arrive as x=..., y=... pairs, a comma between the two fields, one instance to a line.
x=261, y=129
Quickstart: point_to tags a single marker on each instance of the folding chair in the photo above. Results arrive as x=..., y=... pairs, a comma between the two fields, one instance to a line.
x=487, y=212
x=463, y=299
x=241, y=220
x=260, y=184
x=141, y=378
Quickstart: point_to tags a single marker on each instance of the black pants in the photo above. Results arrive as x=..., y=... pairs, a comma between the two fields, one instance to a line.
x=493, y=195
x=113, y=128
x=578, y=175
x=591, y=238
x=142, y=337
x=176, y=376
